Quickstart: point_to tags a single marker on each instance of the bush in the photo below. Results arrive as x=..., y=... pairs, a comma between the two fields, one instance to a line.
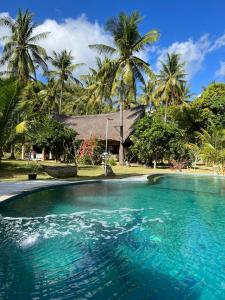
x=112, y=161
x=90, y=152
x=154, y=140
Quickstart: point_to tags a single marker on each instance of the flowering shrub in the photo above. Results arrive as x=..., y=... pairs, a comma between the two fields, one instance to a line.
x=90, y=152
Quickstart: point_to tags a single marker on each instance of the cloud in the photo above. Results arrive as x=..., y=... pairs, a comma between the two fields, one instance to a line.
x=74, y=35
x=192, y=53
x=4, y=31
x=220, y=73
x=218, y=43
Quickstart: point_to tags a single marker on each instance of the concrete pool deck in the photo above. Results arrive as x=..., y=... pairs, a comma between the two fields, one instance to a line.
x=9, y=189
x=13, y=188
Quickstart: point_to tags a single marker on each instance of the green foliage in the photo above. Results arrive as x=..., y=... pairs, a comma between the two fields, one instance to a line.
x=111, y=161
x=213, y=146
x=171, y=87
x=155, y=140
x=45, y=131
x=213, y=99
x=126, y=68
x=63, y=73
x=9, y=90
x=21, y=51
x=190, y=119
x=90, y=152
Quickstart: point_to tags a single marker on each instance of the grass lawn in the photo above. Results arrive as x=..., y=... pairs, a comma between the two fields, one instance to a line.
x=18, y=170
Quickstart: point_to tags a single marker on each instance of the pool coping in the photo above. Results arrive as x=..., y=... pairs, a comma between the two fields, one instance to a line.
x=31, y=186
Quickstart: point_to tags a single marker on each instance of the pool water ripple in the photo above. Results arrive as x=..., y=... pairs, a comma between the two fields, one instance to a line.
x=115, y=240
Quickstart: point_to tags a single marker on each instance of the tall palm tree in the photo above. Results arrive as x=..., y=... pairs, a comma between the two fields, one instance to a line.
x=63, y=72
x=213, y=146
x=147, y=97
x=97, y=88
x=9, y=89
x=21, y=52
x=126, y=68
x=171, y=81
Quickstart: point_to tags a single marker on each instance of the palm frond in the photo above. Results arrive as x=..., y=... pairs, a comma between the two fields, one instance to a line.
x=103, y=49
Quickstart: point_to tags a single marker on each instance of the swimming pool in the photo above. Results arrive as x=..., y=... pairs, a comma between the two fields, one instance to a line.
x=116, y=240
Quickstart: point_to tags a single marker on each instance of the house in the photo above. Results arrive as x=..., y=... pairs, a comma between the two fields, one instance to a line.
x=95, y=125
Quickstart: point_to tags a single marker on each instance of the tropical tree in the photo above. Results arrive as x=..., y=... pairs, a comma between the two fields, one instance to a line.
x=63, y=72
x=213, y=99
x=213, y=146
x=154, y=141
x=9, y=89
x=171, y=82
x=147, y=97
x=126, y=68
x=21, y=52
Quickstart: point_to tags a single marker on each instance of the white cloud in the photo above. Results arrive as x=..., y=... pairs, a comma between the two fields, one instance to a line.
x=77, y=34
x=220, y=73
x=192, y=53
x=4, y=31
x=74, y=35
x=218, y=43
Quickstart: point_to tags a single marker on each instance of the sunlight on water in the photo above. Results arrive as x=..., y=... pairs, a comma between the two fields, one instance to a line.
x=116, y=240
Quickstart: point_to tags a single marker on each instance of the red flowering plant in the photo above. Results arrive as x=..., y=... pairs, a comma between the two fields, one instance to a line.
x=90, y=152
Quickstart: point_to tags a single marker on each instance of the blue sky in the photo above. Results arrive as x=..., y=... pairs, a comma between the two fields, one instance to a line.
x=194, y=28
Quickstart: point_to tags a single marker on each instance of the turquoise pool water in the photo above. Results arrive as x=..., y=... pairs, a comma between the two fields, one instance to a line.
x=116, y=240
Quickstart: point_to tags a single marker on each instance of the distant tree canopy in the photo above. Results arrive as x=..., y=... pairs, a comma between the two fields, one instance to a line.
x=45, y=131
x=155, y=140
x=213, y=98
x=173, y=122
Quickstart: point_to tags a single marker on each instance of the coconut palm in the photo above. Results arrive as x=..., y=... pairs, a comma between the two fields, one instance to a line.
x=171, y=81
x=213, y=146
x=126, y=68
x=98, y=88
x=21, y=52
x=62, y=63
x=147, y=97
x=9, y=89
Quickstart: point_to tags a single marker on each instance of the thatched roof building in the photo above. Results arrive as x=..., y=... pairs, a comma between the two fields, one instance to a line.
x=95, y=125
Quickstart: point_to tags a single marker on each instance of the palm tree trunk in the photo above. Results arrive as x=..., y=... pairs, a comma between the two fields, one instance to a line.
x=12, y=154
x=23, y=152
x=165, y=113
x=121, y=149
x=60, y=99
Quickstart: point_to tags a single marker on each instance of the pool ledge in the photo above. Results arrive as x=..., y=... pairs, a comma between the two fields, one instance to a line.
x=12, y=189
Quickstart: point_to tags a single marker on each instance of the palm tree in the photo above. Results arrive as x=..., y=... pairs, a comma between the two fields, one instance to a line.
x=9, y=89
x=63, y=73
x=21, y=52
x=126, y=68
x=97, y=89
x=147, y=97
x=213, y=146
x=171, y=81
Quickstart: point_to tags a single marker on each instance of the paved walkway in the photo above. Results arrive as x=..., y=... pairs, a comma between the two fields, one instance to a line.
x=10, y=189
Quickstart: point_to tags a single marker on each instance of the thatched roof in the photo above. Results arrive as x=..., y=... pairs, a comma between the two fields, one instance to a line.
x=95, y=125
